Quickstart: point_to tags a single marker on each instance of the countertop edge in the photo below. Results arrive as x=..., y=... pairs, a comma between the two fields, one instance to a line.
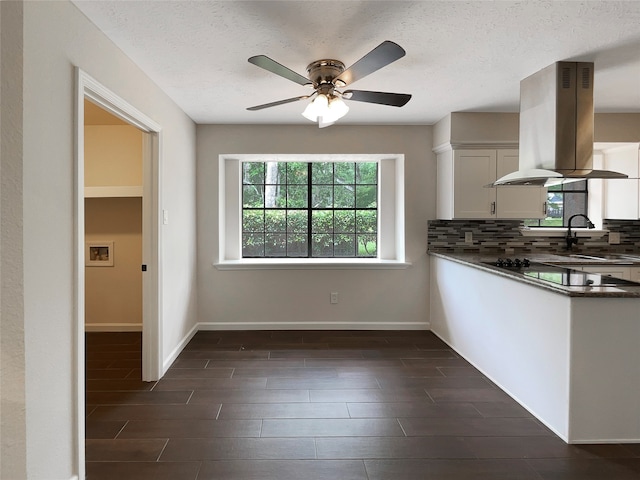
x=475, y=261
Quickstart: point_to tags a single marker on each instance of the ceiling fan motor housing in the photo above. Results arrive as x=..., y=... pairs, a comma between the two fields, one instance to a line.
x=323, y=72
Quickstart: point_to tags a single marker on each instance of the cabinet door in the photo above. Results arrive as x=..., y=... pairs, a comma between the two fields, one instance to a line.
x=517, y=202
x=621, y=195
x=472, y=171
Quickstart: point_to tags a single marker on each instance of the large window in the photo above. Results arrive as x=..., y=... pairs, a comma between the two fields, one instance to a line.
x=346, y=215
x=563, y=201
x=309, y=209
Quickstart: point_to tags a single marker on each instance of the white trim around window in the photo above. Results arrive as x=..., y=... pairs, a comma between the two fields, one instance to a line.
x=391, y=254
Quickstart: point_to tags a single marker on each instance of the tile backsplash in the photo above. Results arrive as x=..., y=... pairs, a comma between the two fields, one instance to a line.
x=504, y=237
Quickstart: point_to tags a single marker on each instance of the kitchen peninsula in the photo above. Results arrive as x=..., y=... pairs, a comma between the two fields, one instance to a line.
x=569, y=355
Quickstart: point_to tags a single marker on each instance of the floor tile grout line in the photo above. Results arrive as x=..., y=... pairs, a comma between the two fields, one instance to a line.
x=162, y=450
x=535, y=471
x=120, y=431
x=190, y=397
x=473, y=404
x=431, y=398
x=364, y=465
x=401, y=427
x=219, y=410
x=199, y=470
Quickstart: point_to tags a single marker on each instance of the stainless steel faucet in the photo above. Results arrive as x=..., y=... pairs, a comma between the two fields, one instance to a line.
x=573, y=240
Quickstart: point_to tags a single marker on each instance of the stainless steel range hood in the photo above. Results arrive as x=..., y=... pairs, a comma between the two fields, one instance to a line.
x=556, y=127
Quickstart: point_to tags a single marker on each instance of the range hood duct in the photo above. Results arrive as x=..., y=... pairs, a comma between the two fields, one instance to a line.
x=556, y=127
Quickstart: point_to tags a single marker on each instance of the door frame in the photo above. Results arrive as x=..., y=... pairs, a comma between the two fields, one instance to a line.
x=89, y=88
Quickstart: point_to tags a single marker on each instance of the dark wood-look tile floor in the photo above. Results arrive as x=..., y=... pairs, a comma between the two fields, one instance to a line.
x=312, y=405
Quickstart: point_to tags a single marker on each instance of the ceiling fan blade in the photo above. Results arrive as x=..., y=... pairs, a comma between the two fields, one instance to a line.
x=280, y=102
x=265, y=62
x=384, y=54
x=383, y=98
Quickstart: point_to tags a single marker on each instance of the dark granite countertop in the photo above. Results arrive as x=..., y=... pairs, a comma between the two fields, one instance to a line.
x=621, y=291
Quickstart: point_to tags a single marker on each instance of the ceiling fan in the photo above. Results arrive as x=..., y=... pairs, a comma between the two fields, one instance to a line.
x=327, y=76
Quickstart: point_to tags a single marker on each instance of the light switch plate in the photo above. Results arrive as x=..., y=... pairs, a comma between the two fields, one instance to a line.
x=614, y=238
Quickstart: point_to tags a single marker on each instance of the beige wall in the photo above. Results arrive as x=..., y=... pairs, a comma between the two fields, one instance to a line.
x=300, y=298
x=483, y=127
x=13, y=452
x=477, y=128
x=112, y=155
x=617, y=127
x=113, y=295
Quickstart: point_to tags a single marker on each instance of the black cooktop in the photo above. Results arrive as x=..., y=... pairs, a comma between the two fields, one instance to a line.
x=560, y=275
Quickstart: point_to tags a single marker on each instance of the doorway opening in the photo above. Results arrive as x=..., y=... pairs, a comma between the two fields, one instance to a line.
x=92, y=98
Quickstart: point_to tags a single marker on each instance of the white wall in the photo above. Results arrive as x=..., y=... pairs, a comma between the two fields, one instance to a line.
x=58, y=37
x=300, y=298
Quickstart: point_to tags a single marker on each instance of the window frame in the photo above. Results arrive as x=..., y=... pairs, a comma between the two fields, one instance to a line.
x=565, y=218
x=391, y=231
x=309, y=209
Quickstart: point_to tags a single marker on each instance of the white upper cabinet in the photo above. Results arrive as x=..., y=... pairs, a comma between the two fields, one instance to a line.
x=622, y=196
x=473, y=149
x=473, y=170
x=463, y=192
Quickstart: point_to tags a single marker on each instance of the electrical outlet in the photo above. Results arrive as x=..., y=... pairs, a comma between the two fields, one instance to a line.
x=614, y=238
x=334, y=297
x=468, y=237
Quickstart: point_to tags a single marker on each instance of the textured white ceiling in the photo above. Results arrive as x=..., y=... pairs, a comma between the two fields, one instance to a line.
x=461, y=56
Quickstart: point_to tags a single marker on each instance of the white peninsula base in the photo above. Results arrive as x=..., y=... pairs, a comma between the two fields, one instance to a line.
x=573, y=362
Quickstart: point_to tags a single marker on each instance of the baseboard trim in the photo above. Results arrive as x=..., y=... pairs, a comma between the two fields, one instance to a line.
x=313, y=326
x=113, y=327
x=176, y=351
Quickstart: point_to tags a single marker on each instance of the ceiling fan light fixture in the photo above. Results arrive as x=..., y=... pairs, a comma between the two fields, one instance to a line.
x=325, y=109
x=316, y=108
x=336, y=110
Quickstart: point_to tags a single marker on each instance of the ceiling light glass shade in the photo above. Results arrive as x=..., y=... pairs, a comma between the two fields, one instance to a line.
x=325, y=110
x=337, y=109
x=316, y=108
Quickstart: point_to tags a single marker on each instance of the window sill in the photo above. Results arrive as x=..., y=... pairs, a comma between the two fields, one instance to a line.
x=561, y=232
x=311, y=264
